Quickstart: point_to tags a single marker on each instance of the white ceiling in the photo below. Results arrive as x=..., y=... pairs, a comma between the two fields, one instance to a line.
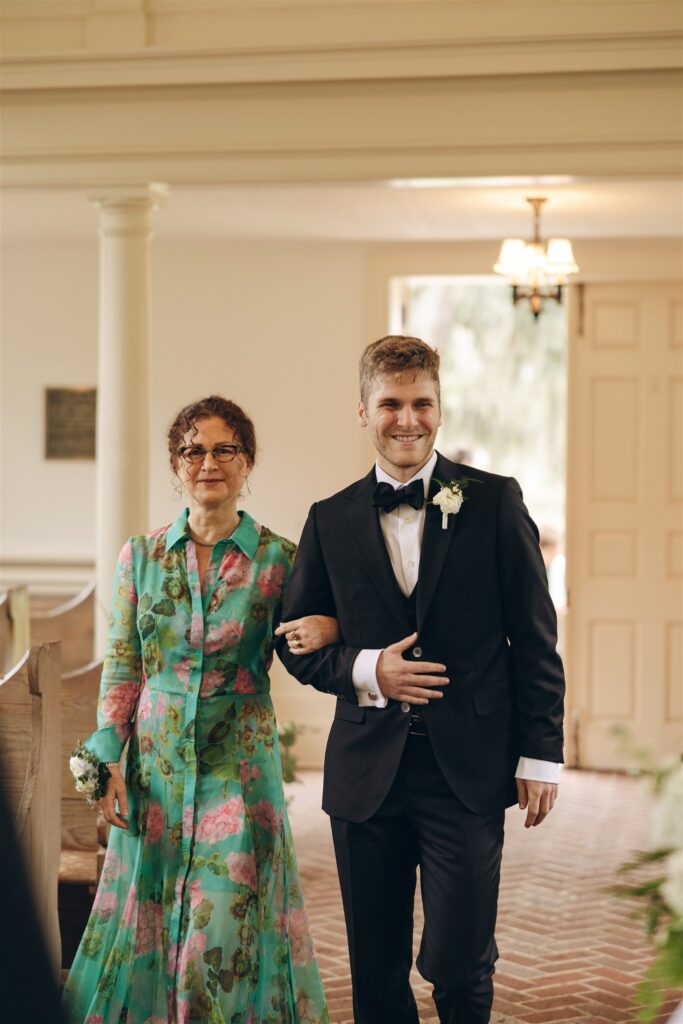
x=455, y=210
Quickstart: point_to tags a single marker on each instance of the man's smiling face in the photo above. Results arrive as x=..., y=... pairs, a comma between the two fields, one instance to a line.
x=403, y=415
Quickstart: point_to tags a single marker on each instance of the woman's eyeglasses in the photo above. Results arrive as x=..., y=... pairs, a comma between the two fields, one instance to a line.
x=195, y=453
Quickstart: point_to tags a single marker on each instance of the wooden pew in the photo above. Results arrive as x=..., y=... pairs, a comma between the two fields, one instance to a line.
x=14, y=627
x=82, y=830
x=73, y=624
x=30, y=739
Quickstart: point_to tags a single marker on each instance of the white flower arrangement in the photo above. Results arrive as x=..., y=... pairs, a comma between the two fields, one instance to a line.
x=450, y=498
x=87, y=773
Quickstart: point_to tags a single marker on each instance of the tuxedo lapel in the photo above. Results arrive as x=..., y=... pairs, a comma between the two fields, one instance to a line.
x=436, y=541
x=366, y=533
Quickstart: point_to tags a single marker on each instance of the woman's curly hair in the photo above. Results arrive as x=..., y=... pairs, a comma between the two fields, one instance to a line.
x=215, y=405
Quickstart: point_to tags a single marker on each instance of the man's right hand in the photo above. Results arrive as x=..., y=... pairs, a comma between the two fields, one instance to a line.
x=408, y=681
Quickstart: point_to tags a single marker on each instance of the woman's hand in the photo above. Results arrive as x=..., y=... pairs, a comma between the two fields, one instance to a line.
x=116, y=791
x=310, y=633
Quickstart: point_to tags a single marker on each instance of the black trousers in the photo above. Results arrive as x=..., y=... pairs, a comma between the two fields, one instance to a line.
x=423, y=823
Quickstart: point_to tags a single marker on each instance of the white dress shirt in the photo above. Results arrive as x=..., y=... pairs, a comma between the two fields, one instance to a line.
x=402, y=529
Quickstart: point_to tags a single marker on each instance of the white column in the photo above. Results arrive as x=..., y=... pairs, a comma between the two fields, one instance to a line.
x=123, y=379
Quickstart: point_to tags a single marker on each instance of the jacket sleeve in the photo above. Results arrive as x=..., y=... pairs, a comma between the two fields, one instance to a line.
x=122, y=667
x=309, y=592
x=531, y=627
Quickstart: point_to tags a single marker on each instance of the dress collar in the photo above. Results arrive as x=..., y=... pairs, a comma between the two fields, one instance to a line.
x=245, y=535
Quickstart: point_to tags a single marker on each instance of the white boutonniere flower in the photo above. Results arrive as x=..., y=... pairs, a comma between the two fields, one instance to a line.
x=450, y=498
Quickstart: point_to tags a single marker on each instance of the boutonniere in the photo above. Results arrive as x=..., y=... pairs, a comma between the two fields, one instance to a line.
x=450, y=497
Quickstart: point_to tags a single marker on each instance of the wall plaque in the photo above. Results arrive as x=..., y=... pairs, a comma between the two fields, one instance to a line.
x=70, y=423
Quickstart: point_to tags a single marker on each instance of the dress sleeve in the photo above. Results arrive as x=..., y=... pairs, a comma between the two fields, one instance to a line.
x=122, y=668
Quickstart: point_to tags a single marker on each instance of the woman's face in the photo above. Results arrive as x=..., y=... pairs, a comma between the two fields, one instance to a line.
x=209, y=481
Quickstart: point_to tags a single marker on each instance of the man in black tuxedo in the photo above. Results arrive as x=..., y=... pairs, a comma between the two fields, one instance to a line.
x=449, y=693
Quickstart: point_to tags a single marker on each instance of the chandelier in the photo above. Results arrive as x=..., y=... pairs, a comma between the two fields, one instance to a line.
x=537, y=271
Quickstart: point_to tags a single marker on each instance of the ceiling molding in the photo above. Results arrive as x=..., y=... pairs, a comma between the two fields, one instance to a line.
x=86, y=43
x=320, y=63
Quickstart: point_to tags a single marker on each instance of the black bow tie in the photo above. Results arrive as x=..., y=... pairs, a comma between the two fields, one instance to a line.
x=385, y=497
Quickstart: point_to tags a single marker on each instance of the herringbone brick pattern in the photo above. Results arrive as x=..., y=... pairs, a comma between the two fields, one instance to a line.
x=570, y=953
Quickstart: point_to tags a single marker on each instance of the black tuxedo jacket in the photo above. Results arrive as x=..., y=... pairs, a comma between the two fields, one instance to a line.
x=483, y=610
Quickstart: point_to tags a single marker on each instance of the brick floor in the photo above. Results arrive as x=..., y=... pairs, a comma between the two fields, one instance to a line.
x=569, y=953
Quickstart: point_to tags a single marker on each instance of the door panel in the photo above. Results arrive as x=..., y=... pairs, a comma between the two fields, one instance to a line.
x=625, y=519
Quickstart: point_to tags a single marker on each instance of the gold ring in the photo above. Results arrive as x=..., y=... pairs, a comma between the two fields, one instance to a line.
x=292, y=635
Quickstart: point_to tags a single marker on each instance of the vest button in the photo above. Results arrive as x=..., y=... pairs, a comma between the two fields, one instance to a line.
x=405, y=707
x=417, y=652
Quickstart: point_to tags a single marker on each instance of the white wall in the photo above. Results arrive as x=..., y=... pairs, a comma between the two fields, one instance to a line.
x=276, y=326
x=48, y=337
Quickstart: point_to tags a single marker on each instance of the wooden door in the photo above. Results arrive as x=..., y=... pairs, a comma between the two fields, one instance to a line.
x=625, y=525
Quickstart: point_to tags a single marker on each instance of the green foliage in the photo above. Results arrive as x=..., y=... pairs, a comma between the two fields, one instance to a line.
x=288, y=735
x=645, y=889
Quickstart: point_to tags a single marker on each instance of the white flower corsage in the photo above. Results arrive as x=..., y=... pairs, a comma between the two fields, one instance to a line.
x=87, y=773
x=450, y=498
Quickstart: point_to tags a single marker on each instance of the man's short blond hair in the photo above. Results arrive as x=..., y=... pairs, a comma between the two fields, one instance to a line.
x=397, y=354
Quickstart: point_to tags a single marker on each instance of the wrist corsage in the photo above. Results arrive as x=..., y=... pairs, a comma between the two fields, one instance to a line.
x=90, y=775
x=450, y=497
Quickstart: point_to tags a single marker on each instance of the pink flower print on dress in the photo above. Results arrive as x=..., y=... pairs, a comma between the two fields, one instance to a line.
x=247, y=771
x=211, y=681
x=118, y=704
x=270, y=580
x=113, y=866
x=237, y=570
x=150, y=920
x=127, y=915
x=196, y=631
x=192, y=949
x=242, y=868
x=300, y=942
x=188, y=820
x=126, y=556
x=195, y=891
x=265, y=815
x=244, y=682
x=94, y=1018
x=227, y=634
x=183, y=1011
x=105, y=904
x=182, y=671
x=226, y=820
x=155, y=824
x=144, y=705
x=161, y=704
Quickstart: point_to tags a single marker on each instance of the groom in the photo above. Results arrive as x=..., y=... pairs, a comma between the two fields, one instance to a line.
x=449, y=693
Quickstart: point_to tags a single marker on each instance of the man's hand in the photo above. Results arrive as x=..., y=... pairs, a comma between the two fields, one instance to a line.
x=116, y=791
x=403, y=680
x=539, y=799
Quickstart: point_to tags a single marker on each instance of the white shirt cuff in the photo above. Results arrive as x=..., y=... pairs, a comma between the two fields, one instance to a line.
x=364, y=678
x=533, y=770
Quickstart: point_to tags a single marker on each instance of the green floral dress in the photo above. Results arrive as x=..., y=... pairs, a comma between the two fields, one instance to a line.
x=199, y=915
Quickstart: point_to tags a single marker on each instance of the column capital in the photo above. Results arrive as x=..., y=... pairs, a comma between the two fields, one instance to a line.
x=150, y=195
x=126, y=210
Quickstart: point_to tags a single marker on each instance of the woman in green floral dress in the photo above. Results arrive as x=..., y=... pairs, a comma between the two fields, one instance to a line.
x=199, y=915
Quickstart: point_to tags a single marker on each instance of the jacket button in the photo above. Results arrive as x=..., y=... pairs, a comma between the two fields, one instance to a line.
x=417, y=652
x=405, y=707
